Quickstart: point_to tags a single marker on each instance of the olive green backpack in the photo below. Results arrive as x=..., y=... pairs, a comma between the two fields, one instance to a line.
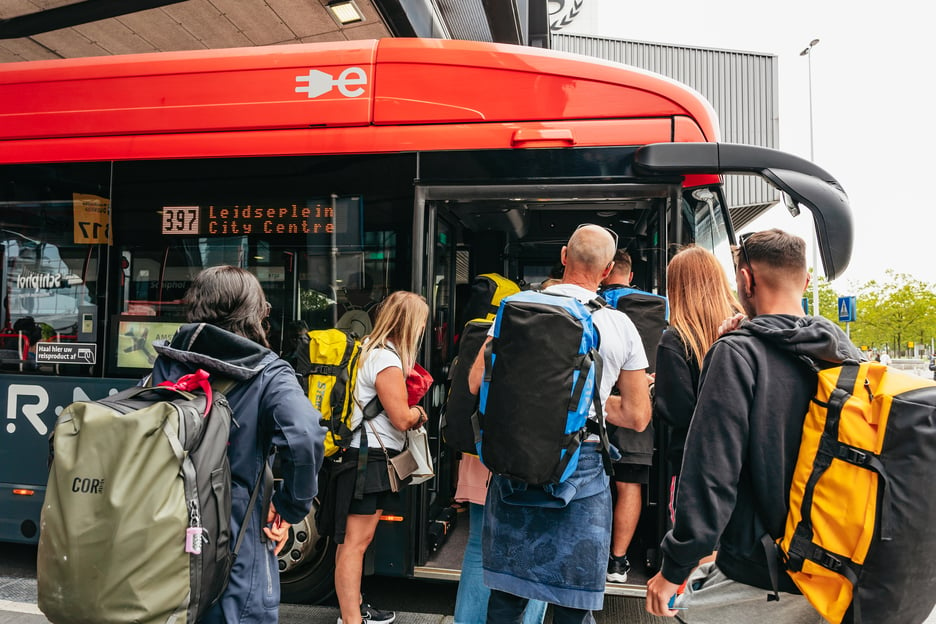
x=136, y=520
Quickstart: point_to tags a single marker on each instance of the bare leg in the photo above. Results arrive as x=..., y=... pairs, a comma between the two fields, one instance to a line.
x=349, y=564
x=626, y=516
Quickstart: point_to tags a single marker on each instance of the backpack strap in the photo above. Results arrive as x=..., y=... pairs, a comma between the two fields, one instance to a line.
x=264, y=479
x=598, y=426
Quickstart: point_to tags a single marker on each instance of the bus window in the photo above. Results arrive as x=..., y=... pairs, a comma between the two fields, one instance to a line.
x=323, y=244
x=54, y=221
x=705, y=216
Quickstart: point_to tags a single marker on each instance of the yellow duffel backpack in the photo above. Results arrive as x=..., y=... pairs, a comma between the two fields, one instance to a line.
x=860, y=537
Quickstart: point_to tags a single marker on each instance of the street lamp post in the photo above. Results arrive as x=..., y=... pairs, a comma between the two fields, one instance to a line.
x=815, y=247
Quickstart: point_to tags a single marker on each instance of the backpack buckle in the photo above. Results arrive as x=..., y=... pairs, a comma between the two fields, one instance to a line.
x=853, y=455
x=826, y=560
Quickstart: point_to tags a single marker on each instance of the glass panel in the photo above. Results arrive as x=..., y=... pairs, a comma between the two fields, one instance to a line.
x=324, y=258
x=54, y=223
x=707, y=228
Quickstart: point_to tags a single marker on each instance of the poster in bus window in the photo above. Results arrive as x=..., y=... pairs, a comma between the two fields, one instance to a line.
x=91, y=219
x=135, y=339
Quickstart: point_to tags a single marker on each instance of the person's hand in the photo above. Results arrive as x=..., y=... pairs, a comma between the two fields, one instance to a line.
x=730, y=324
x=277, y=530
x=659, y=592
x=423, y=417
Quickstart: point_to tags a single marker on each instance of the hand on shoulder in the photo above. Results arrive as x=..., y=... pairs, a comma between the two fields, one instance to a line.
x=730, y=324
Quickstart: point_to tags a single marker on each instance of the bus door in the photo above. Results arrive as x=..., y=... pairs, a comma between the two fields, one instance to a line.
x=517, y=230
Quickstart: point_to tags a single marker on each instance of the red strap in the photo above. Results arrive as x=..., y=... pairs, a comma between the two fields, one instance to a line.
x=193, y=381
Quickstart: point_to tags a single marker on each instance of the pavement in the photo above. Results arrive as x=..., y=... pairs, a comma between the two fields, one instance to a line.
x=18, y=606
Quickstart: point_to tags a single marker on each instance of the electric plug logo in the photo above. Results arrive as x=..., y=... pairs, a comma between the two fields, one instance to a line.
x=350, y=82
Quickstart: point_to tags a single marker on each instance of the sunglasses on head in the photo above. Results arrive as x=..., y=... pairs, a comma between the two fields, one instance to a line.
x=744, y=254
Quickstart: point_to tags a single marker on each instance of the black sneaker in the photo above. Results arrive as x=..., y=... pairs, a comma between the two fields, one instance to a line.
x=370, y=615
x=618, y=567
x=374, y=616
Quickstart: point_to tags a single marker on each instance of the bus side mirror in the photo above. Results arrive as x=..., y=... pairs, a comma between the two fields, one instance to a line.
x=807, y=184
x=830, y=211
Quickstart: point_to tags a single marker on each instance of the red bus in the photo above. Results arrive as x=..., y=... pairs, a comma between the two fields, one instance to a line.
x=332, y=170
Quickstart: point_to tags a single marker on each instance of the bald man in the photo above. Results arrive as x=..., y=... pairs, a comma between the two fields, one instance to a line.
x=558, y=552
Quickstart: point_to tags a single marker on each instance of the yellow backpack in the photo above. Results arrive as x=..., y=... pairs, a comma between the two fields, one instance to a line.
x=328, y=370
x=860, y=538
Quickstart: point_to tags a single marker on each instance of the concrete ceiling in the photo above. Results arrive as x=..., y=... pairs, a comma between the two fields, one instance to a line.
x=165, y=25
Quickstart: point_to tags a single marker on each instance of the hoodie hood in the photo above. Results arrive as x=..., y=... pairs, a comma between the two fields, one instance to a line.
x=216, y=350
x=815, y=339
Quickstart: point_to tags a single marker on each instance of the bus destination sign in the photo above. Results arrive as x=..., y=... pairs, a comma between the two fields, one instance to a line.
x=246, y=220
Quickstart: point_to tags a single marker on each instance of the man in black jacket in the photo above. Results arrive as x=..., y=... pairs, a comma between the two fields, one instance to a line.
x=741, y=449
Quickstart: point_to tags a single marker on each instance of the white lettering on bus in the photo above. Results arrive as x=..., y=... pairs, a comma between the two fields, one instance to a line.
x=350, y=82
x=31, y=279
x=30, y=410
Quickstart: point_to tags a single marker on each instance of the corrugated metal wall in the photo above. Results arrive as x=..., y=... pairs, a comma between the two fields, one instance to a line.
x=742, y=87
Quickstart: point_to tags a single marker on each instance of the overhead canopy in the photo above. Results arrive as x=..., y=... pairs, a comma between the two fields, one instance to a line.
x=70, y=28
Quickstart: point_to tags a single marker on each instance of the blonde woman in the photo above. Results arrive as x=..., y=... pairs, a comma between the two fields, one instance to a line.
x=700, y=298
x=387, y=357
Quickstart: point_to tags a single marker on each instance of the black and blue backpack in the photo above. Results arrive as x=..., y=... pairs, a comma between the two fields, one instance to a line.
x=542, y=371
x=649, y=313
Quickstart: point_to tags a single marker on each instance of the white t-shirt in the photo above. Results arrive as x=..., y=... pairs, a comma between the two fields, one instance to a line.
x=365, y=389
x=620, y=346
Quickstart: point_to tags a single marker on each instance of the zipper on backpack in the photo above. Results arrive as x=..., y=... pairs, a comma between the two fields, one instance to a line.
x=195, y=535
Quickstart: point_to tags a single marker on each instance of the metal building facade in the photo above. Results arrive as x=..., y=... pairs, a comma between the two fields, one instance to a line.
x=741, y=86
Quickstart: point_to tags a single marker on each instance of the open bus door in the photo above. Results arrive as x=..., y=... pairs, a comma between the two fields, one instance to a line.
x=516, y=230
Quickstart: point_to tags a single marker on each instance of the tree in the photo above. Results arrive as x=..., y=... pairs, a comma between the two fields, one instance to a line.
x=894, y=312
x=828, y=299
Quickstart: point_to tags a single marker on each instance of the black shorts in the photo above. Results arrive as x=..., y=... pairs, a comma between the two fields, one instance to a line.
x=369, y=505
x=631, y=473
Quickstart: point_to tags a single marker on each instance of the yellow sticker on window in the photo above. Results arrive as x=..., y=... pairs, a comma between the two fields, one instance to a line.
x=92, y=219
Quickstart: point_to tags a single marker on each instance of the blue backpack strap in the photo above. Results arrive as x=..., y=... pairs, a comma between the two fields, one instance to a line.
x=597, y=426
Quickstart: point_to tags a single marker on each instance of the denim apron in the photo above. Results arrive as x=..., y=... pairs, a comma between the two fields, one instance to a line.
x=551, y=543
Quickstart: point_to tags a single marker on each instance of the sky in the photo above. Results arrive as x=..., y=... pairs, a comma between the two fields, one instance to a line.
x=874, y=126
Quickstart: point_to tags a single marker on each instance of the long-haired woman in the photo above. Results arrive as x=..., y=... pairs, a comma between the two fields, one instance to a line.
x=700, y=298
x=387, y=357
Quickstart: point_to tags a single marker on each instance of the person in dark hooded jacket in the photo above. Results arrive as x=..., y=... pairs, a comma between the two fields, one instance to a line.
x=226, y=309
x=743, y=442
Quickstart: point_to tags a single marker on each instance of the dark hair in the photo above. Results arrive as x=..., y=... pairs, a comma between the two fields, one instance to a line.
x=230, y=298
x=30, y=329
x=776, y=248
x=622, y=262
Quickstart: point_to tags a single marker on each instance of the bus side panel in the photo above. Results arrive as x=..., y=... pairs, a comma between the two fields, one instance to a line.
x=383, y=139
x=399, y=99
x=32, y=404
x=432, y=81
x=148, y=95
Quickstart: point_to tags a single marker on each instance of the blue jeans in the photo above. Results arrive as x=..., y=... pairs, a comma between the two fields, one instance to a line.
x=471, y=602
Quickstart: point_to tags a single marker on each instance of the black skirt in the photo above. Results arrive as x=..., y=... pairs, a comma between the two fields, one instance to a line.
x=337, y=481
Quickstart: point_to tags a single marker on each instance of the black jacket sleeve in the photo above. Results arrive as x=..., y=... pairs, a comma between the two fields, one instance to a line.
x=675, y=388
x=715, y=452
